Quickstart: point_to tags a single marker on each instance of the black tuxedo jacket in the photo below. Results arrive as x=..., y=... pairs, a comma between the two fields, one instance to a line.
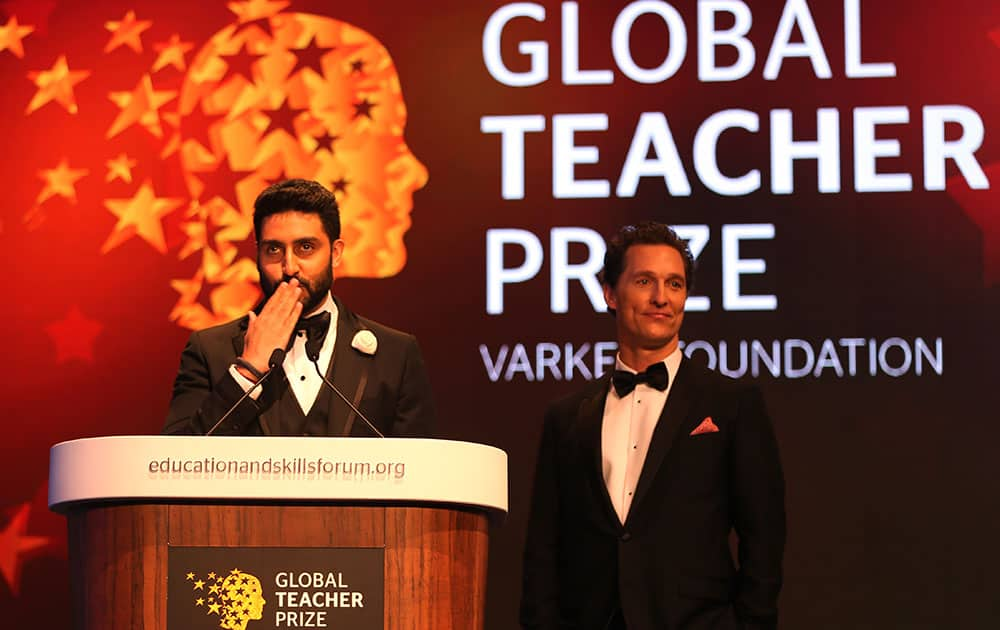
x=669, y=566
x=390, y=387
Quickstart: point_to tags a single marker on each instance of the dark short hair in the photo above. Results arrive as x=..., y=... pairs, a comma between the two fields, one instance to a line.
x=300, y=195
x=646, y=233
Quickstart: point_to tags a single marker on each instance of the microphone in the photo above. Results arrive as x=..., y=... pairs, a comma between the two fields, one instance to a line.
x=313, y=353
x=277, y=358
x=313, y=347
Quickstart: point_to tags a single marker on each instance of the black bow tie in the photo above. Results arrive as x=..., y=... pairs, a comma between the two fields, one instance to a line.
x=655, y=376
x=315, y=328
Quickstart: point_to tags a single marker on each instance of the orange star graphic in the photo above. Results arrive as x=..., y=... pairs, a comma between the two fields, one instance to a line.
x=229, y=226
x=173, y=143
x=74, y=336
x=60, y=181
x=139, y=215
x=188, y=289
x=11, y=36
x=35, y=12
x=13, y=543
x=187, y=311
x=56, y=84
x=230, y=293
x=272, y=95
x=120, y=168
x=172, y=53
x=141, y=105
x=197, y=238
x=126, y=31
x=251, y=10
x=219, y=267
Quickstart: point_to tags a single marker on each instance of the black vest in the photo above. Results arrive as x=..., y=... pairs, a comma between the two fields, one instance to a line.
x=291, y=420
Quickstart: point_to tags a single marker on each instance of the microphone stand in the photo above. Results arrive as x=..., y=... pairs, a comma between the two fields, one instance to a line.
x=277, y=358
x=315, y=362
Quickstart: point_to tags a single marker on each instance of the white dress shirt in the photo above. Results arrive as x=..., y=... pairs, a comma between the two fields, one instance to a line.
x=303, y=380
x=626, y=431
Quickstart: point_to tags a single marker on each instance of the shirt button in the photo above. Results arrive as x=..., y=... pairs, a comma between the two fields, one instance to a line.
x=626, y=537
x=302, y=378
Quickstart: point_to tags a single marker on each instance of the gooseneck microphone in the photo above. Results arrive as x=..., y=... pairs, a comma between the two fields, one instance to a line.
x=277, y=358
x=313, y=353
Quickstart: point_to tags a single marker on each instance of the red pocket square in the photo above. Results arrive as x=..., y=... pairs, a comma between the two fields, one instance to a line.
x=706, y=426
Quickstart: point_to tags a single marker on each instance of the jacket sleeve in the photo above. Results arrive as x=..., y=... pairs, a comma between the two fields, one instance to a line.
x=415, y=416
x=201, y=398
x=540, y=585
x=758, y=489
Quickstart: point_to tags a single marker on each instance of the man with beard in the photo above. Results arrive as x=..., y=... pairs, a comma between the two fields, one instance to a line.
x=297, y=228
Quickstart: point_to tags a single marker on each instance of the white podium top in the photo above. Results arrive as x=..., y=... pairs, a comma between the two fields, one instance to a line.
x=277, y=468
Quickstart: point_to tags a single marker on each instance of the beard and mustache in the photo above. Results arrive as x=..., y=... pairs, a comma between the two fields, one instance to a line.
x=314, y=290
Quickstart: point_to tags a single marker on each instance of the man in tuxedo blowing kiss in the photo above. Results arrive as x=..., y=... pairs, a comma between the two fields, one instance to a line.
x=643, y=474
x=297, y=229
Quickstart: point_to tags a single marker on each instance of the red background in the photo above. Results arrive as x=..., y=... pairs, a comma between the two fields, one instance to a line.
x=890, y=480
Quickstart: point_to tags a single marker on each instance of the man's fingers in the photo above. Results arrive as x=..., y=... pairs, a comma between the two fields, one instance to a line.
x=287, y=295
x=284, y=320
x=287, y=311
x=287, y=308
x=294, y=315
x=276, y=322
x=283, y=300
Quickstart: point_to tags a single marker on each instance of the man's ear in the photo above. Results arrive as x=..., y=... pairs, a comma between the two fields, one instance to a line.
x=336, y=252
x=609, y=296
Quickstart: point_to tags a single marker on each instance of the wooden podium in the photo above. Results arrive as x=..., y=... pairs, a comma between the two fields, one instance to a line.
x=426, y=503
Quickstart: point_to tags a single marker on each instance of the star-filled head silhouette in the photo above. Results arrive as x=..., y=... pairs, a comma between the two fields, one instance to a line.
x=196, y=129
x=236, y=598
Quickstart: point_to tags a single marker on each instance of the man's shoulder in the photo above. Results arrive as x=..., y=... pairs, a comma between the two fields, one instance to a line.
x=220, y=332
x=718, y=384
x=569, y=403
x=383, y=332
x=377, y=327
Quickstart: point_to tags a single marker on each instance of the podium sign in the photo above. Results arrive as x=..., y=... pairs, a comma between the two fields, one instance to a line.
x=244, y=533
x=265, y=588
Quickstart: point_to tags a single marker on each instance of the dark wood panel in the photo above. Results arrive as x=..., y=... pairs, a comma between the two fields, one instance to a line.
x=118, y=565
x=435, y=568
x=435, y=557
x=276, y=526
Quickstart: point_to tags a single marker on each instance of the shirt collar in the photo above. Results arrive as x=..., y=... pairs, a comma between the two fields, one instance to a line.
x=672, y=361
x=327, y=306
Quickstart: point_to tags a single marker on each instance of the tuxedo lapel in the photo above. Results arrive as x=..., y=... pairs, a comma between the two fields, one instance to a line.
x=348, y=371
x=591, y=419
x=677, y=408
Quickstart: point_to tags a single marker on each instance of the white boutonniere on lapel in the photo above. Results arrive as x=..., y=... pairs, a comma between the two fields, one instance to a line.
x=365, y=342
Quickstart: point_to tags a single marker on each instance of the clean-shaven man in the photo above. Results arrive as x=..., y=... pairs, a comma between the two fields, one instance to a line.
x=643, y=474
